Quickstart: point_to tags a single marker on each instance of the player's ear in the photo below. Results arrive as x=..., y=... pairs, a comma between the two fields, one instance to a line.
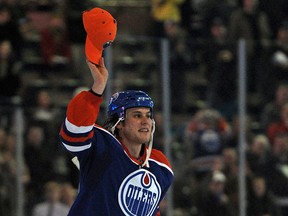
x=119, y=126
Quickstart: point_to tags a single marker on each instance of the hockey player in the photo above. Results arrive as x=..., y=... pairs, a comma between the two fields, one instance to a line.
x=120, y=173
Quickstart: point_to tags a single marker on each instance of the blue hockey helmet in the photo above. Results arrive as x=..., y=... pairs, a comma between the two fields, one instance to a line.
x=123, y=100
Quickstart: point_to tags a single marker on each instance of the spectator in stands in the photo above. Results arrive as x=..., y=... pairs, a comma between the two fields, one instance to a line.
x=68, y=194
x=44, y=110
x=235, y=131
x=47, y=44
x=272, y=109
x=257, y=154
x=10, y=81
x=77, y=37
x=220, y=70
x=165, y=12
x=167, y=19
x=52, y=204
x=277, y=61
x=251, y=24
x=213, y=200
x=261, y=201
x=230, y=161
x=276, y=166
x=221, y=9
x=38, y=157
x=206, y=135
x=8, y=175
x=179, y=62
x=10, y=29
x=231, y=171
x=55, y=44
x=276, y=11
x=46, y=114
x=280, y=126
x=44, y=103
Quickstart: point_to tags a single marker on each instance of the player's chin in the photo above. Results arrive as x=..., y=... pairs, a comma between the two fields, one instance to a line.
x=145, y=138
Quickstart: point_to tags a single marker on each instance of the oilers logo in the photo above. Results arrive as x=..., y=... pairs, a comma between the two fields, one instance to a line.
x=210, y=141
x=139, y=194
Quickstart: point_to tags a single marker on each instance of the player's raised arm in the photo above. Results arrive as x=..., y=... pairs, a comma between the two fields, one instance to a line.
x=83, y=109
x=100, y=76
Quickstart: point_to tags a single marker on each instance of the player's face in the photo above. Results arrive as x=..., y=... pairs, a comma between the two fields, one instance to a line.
x=136, y=128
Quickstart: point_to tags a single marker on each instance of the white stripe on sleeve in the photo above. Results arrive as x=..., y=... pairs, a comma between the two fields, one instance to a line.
x=76, y=129
x=76, y=148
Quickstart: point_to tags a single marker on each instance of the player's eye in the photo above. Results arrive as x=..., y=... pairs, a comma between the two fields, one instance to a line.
x=149, y=115
x=138, y=115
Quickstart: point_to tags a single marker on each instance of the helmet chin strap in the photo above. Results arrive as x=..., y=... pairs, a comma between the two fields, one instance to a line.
x=114, y=126
x=150, y=144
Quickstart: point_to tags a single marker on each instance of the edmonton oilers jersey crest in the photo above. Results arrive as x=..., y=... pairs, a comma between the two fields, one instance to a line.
x=139, y=194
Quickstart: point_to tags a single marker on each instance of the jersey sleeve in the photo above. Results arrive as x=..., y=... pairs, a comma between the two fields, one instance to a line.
x=161, y=159
x=77, y=129
x=83, y=109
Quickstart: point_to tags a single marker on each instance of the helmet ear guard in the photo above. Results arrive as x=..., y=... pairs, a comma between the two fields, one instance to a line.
x=114, y=126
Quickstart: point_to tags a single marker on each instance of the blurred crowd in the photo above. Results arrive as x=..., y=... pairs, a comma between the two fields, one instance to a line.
x=48, y=36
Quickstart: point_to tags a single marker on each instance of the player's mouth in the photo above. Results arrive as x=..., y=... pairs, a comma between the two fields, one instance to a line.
x=144, y=130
